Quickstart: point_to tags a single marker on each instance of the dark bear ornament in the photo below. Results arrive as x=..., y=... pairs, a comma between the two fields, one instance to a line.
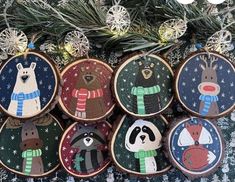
x=142, y=85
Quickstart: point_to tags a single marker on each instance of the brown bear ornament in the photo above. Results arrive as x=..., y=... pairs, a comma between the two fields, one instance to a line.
x=86, y=94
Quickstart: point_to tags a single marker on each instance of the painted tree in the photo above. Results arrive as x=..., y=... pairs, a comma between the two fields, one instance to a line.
x=165, y=178
x=225, y=178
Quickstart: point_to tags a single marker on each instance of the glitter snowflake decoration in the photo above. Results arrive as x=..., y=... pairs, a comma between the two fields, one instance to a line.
x=76, y=44
x=48, y=47
x=172, y=29
x=13, y=41
x=118, y=20
x=220, y=41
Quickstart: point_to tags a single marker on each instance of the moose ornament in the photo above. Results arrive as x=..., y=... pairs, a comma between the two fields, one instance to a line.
x=205, y=84
x=32, y=150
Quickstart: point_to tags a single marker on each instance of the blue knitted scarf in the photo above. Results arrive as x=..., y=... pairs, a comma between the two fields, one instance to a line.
x=207, y=99
x=21, y=97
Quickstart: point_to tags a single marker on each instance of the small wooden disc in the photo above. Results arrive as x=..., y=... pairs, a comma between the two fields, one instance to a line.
x=86, y=94
x=29, y=85
x=205, y=85
x=83, y=149
x=195, y=146
x=143, y=85
x=136, y=146
x=30, y=148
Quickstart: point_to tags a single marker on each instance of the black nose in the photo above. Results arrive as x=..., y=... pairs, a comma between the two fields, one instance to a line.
x=196, y=143
x=89, y=78
x=88, y=139
x=24, y=78
x=146, y=72
x=142, y=137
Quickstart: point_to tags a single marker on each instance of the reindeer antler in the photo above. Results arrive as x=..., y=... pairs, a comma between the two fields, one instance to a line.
x=213, y=59
x=204, y=59
x=44, y=121
x=13, y=123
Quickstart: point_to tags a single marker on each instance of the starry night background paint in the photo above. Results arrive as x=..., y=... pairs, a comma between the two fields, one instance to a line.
x=45, y=76
x=190, y=78
x=215, y=147
x=127, y=77
x=124, y=157
x=10, y=152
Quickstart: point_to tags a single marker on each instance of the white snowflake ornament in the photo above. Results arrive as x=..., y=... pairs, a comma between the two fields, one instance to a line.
x=172, y=29
x=76, y=44
x=13, y=41
x=118, y=20
x=220, y=41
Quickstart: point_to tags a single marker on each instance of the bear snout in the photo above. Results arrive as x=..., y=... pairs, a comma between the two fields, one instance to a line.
x=142, y=137
x=24, y=78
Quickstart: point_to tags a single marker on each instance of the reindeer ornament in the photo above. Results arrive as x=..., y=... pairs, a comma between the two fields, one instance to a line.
x=208, y=87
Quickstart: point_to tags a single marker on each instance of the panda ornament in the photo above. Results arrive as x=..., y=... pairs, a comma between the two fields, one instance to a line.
x=143, y=138
x=136, y=146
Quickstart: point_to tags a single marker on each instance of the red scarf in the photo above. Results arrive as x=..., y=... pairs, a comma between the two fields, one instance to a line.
x=83, y=94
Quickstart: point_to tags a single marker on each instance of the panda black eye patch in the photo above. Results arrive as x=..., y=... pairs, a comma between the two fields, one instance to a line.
x=147, y=130
x=134, y=134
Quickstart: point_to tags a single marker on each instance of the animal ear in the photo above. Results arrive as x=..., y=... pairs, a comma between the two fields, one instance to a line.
x=44, y=121
x=152, y=65
x=33, y=65
x=202, y=66
x=13, y=123
x=19, y=66
x=95, y=127
x=215, y=67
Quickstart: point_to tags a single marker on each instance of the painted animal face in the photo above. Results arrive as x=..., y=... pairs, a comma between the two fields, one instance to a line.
x=30, y=137
x=87, y=138
x=146, y=69
x=142, y=135
x=25, y=74
x=208, y=85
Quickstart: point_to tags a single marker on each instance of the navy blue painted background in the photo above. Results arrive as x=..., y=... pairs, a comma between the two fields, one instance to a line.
x=190, y=78
x=215, y=147
x=44, y=76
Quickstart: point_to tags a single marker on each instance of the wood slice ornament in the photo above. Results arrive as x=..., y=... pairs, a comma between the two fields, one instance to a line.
x=30, y=148
x=143, y=85
x=83, y=149
x=195, y=146
x=86, y=94
x=136, y=146
x=29, y=85
x=205, y=84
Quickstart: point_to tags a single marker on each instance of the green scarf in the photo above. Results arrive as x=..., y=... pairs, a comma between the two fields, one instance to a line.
x=141, y=155
x=29, y=155
x=140, y=92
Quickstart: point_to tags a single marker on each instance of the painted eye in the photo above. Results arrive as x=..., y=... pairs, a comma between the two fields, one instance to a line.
x=85, y=134
x=26, y=72
x=197, y=133
x=26, y=134
x=212, y=78
x=32, y=133
x=205, y=77
x=144, y=128
x=137, y=129
x=193, y=133
x=91, y=134
x=36, y=144
x=25, y=145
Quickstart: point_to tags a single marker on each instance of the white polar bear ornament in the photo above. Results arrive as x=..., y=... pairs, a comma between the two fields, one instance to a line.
x=25, y=98
x=143, y=138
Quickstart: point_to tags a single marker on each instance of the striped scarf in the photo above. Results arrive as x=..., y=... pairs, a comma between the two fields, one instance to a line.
x=207, y=99
x=29, y=155
x=21, y=97
x=140, y=92
x=141, y=155
x=82, y=95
